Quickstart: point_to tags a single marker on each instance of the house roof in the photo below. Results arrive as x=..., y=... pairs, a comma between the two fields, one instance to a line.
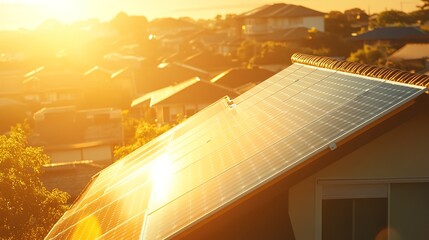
x=411, y=51
x=281, y=10
x=168, y=74
x=229, y=151
x=392, y=33
x=237, y=77
x=192, y=91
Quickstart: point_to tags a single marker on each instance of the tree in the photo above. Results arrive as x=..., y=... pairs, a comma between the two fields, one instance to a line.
x=137, y=132
x=27, y=209
x=372, y=54
x=425, y=5
x=392, y=17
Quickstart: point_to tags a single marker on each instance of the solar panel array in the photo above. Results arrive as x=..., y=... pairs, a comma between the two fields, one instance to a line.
x=227, y=151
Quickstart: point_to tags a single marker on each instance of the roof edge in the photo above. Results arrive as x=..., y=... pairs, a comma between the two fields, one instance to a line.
x=385, y=73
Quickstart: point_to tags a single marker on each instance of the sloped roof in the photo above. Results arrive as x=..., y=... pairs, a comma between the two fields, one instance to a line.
x=411, y=51
x=281, y=10
x=168, y=74
x=191, y=91
x=233, y=149
x=392, y=33
x=236, y=77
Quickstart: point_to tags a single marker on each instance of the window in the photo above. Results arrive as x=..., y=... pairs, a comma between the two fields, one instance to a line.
x=367, y=209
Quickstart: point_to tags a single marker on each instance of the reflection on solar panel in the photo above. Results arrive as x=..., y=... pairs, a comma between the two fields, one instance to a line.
x=227, y=151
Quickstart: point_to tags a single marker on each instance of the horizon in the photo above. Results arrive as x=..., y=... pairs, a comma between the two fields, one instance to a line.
x=70, y=11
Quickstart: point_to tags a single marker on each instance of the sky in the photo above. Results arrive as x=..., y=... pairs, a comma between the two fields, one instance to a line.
x=30, y=13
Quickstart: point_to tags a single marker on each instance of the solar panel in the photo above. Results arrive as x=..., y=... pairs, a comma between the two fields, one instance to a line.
x=223, y=153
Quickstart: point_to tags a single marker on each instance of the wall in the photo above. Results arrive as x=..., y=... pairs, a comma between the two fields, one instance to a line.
x=316, y=22
x=400, y=153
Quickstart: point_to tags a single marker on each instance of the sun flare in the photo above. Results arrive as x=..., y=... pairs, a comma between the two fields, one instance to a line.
x=161, y=174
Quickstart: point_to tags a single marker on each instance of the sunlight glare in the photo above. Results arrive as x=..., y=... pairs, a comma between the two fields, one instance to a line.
x=161, y=173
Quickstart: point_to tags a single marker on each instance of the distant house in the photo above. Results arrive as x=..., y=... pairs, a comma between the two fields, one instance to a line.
x=183, y=100
x=396, y=36
x=280, y=16
x=165, y=26
x=46, y=87
x=325, y=149
x=167, y=74
x=411, y=51
x=211, y=62
x=236, y=78
x=70, y=135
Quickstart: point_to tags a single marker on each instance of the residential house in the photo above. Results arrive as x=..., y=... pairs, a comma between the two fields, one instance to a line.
x=395, y=36
x=280, y=16
x=167, y=74
x=50, y=87
x=325, y=149
x=109, y=88
x=211, y=62
x=70, y=135
x=414, y=55
x=165, y=26
x=182, y=100
x=238, y=78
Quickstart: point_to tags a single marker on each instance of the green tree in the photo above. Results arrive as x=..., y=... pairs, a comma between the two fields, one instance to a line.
x=372, y=54
x=425, y=5
x=392, y=17
x=137, y=132
x=27, y=209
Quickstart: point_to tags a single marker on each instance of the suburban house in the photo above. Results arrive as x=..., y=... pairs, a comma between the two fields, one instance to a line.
x=71, y=135
x=324, y=149
x=240, y=78
x=280, y=16
x=182, y=100
x=167, y=74
x=395, y=36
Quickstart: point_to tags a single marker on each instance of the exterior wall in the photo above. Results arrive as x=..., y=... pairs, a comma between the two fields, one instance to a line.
x=316, y=22
x=397, y=155
x=176, y=110
x=98, y=153
x=263, y=26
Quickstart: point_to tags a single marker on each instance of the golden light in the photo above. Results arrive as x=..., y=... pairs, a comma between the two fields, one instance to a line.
x=161, y=173
x=62, y=10
x=89, y=228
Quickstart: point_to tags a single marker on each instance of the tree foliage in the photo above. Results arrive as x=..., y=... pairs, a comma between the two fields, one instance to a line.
x=27, y=209
x=372, y=54
x=137, y=132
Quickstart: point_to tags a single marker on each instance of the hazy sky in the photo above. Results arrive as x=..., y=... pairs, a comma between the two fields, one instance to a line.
x=30, y=13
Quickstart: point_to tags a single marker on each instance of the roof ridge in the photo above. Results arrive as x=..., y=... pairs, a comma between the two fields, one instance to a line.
x=385, y=73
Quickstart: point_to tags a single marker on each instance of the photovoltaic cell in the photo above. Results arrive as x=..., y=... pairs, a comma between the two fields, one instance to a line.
x=225, y=152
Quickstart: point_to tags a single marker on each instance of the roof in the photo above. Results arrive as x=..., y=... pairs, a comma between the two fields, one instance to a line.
x=168, y=74
x=411, y=51
x=236, y=77
x=230, y=150
x=191, y=91
x=392, y=33
x=281, y=10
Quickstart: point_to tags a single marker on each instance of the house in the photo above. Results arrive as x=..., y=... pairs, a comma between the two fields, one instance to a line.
x=211, y=62
x=325, y=149
x=395, y=36
x=410, y=52
x=413, y=56
x=183, y=100
x=51, y=87
x=235, y=78
x=281, y=16
x=167, y=74
x=70, y=135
